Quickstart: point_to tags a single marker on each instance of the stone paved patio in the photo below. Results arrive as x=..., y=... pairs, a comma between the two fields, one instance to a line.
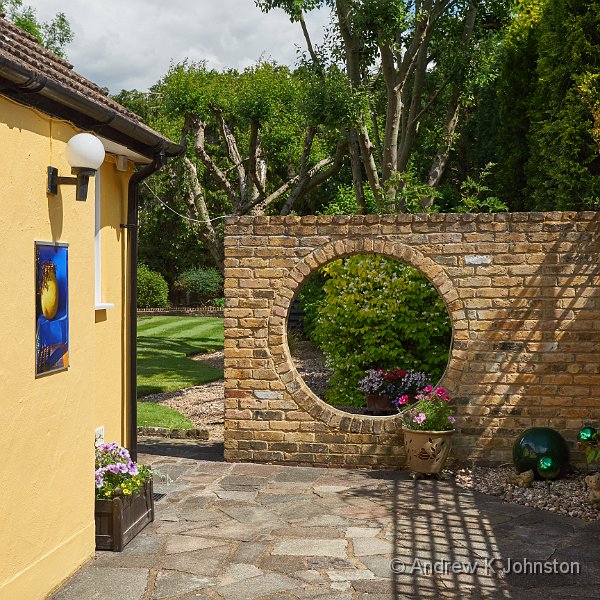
x=246, y=531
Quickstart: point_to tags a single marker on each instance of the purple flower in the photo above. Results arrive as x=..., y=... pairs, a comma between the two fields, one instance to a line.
x=452, y=419
x=372, y=382
x=114, y=460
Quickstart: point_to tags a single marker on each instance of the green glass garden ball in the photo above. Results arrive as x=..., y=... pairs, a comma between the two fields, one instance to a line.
x=588, y=434
x=548, y=468
x=536, y=443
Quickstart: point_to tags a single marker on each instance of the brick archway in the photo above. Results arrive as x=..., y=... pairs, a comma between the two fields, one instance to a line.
x=279, y=349
x=523, y=294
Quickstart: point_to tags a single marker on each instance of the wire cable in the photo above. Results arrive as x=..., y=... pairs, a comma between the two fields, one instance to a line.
x=179, y=214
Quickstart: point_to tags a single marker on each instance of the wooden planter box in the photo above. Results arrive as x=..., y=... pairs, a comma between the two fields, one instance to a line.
x=120, y=519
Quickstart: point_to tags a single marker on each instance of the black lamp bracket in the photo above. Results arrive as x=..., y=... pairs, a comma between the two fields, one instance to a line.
x=81, y=180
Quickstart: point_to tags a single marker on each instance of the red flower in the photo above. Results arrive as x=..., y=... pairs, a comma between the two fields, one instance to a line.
x=394, y=375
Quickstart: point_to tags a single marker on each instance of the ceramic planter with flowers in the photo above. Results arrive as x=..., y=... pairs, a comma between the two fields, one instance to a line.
x=383, y=388
x=124, y=500
x=428, y=429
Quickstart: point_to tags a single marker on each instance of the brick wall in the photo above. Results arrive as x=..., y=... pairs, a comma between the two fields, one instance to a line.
x=522, y=291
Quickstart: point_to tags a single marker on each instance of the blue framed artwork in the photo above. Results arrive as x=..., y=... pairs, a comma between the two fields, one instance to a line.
x=51, y=308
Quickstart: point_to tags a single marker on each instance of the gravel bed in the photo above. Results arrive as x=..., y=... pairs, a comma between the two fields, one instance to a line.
x=201, y=404
x=566, y=496
x=310, y=364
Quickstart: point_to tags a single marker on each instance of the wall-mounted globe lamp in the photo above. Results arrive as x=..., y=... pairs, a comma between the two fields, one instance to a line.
x=85, y=154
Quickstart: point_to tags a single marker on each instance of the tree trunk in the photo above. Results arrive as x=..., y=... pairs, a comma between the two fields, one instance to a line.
x=393, y=115
x=352, y=51
x=199, y=215
x=440, y=160
x=357, y=178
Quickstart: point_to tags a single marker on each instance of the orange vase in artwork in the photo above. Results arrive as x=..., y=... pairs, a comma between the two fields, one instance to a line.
x=49, y=291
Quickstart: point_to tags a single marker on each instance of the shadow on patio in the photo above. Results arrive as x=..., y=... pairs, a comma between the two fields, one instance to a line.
x=454, y=543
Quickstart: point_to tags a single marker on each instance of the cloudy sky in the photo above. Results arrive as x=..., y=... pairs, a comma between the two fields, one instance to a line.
x=130, y=44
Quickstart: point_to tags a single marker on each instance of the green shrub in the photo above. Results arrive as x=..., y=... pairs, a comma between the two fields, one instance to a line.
x=344, y=202
x=378, y=313
x=152, y=289
x=206, y=283
x=219, y=302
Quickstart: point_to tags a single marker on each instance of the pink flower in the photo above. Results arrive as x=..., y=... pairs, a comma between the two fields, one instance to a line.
x=419, y=418
x=441, y=392
x=428, y=389
x=403, y=399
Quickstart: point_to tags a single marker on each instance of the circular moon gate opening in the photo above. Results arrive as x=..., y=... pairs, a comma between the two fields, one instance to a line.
x=368, y=327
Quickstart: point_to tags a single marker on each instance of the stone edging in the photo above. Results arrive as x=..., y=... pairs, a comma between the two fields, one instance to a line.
x=197, y=434
x=189, y=311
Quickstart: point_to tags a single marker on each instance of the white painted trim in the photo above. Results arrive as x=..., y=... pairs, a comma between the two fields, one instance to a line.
x=99, y=304
x=104, y=306
x=114, y=148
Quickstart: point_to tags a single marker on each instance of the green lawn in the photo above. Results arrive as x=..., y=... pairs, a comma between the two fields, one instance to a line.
x=157, y=415
x=164, y=344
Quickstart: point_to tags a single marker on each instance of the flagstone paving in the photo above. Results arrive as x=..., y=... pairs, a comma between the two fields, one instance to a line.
x=249, y=532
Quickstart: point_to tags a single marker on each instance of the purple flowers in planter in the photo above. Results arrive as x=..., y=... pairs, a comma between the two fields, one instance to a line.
x=373, y=382
x=401, y=385
x=116, y=473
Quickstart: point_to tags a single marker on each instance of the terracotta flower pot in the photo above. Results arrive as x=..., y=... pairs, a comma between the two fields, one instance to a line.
x=427, y=451
x=379, y=405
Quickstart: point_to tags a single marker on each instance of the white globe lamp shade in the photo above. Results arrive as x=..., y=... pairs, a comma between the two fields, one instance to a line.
x=85, y=151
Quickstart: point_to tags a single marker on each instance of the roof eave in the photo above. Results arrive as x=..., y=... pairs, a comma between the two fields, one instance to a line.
x=32, y=89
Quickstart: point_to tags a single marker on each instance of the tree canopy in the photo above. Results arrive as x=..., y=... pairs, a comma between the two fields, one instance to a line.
x=538, y=120
x=413, y=68
x=258, y=141
x=434, y=105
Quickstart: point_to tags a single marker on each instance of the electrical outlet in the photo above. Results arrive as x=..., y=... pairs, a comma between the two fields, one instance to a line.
x=100, y=435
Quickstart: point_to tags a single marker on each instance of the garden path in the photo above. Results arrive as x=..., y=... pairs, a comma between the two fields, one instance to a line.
x=249, y=532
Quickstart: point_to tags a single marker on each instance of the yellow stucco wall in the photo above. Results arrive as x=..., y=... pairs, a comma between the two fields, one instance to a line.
x=48, y=423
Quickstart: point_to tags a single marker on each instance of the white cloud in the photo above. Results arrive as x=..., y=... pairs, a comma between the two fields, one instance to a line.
x=125, y=45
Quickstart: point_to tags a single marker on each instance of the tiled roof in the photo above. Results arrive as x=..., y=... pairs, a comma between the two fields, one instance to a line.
x=21, y=54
